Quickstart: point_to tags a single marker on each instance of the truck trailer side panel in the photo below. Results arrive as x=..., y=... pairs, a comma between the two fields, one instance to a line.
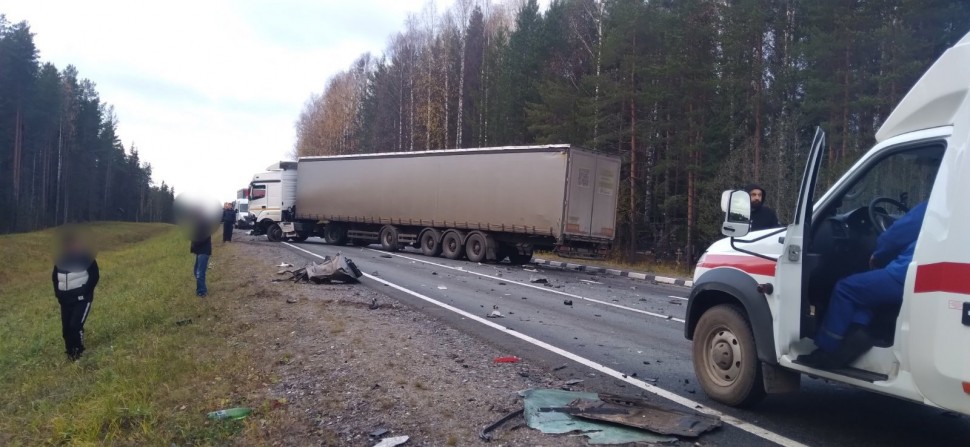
x=518, y=191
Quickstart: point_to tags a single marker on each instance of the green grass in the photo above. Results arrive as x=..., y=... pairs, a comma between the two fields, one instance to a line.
x=144, y=380
x=657, y=268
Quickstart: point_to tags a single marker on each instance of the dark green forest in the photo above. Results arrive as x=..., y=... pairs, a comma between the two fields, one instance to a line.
x=61, y=160
x=697, y=96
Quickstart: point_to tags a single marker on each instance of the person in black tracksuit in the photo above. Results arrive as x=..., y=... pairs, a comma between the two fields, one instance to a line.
x=228, y=220
x=75, y=276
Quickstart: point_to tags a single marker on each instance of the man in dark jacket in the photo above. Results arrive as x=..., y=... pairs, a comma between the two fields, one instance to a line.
x=761, y=216
x=75, y=276
x=202, y=248
x=228, y=220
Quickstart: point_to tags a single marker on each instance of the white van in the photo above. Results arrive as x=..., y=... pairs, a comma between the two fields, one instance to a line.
x=758, y=298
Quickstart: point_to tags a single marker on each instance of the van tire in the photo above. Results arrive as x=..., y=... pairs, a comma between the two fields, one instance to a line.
x=726, y=359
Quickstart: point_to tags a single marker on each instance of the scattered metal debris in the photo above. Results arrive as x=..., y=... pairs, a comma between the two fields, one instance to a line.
x=374, y=305
x=560, y=367
x=442, y=288
x=568, y=302
x=291, y=300
x=574, y=382
x=486, y=435
x=392, y=442
x=387, y=256
x=338, y=268
x=639, y=413
x=495, y=314
x=546, y=410
x=589, y=282
x=539, y=280
x=378, y=433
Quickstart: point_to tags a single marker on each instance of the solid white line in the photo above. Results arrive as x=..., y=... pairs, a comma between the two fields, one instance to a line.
x=728, y=419
x=544, y=289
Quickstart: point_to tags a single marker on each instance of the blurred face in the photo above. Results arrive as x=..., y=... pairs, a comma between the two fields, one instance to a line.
x=757, y=196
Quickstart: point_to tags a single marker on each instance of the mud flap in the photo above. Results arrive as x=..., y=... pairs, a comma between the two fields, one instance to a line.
x=779, y=380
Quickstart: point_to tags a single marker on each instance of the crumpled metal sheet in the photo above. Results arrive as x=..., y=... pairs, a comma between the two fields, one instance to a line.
x=634, y=412
x=338, y=268
x=546, y=410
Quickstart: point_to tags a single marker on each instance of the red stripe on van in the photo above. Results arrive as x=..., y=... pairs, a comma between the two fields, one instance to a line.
x=952, y=277
x=749, y=264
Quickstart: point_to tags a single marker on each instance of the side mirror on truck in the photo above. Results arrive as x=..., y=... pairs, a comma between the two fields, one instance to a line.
x=737, y=213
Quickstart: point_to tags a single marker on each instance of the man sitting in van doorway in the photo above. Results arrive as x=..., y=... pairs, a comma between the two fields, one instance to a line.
x=843, y=336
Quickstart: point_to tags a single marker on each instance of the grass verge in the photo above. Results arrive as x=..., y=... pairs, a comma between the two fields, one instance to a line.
x=158, y=357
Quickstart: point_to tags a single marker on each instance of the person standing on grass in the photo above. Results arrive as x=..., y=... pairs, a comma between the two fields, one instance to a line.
x=202, y=248
x=75, y=276
x=228, y=220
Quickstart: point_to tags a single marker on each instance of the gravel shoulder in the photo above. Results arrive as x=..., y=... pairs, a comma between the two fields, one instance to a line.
x=338, y=371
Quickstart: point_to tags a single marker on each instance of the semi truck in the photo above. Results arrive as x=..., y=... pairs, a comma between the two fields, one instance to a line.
x=760, y=301
x=484, y=204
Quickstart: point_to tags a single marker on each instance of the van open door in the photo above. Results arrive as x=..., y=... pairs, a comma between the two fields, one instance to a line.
x=795, y=263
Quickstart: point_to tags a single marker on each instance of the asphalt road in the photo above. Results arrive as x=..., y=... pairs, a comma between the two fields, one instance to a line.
x=632, y=326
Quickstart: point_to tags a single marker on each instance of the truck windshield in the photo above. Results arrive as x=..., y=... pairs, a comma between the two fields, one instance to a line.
x=258, y=192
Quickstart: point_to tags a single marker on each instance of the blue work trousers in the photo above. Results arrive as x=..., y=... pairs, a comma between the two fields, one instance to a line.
x=201, y=265
x=854, y=300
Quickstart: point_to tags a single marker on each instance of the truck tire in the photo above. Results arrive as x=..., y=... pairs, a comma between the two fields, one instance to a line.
x=431, y=243
x=389, y=238
x=335, y=234
x=726, y=359
x=476, y=247
x=451, y=246
x=274, y=233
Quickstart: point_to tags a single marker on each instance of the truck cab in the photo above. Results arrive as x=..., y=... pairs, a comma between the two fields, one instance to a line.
x=759, y=298
x=270, y=193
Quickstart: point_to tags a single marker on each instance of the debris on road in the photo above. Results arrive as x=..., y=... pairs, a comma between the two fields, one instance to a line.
x=230, y=414
x=291, y=300
x=486, y=435
x=442, y=288
x=574, y=382
x=560, y=367
x=568, y=302
x=378, y=433
x=495, y=314
x=374, y=305
x=392, y=442
x=547, y=410
x=284, y=265
x=507, y=359
x=589, y=282
x=387, y=256
x=338, y=268
x=531, y=270
x=639, y=413
x=538, y=280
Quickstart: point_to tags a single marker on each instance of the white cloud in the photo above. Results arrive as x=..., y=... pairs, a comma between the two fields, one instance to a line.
x=209, y=90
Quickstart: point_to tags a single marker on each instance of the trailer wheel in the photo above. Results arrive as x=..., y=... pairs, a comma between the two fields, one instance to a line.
x=274, y=233
x=725, y=358
x=475, y=247
x=389, y=238
x=451, y=245
x=431, y=243
x=334, y=234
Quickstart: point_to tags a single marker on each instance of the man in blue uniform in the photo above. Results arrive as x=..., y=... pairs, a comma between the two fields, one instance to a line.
x=842, y=337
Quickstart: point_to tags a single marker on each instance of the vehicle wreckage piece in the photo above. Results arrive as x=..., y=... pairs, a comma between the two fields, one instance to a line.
x=635, y=412
x=547, y=410
x=338, y=268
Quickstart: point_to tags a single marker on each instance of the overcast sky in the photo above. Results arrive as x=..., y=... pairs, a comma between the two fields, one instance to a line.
x=209, y=91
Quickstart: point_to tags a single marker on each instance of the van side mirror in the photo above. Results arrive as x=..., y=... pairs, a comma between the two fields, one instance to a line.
x=737, y=213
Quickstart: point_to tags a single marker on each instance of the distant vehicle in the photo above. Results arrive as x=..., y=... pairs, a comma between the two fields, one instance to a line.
x=243, y=218
x=483, y=204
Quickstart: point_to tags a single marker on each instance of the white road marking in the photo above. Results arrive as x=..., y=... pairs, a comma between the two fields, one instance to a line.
x=728, y=419
x=544, y=289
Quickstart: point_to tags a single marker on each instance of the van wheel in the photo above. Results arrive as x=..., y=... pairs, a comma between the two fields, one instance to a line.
x=451, y=245
x=274, y=233
x=726, y=359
